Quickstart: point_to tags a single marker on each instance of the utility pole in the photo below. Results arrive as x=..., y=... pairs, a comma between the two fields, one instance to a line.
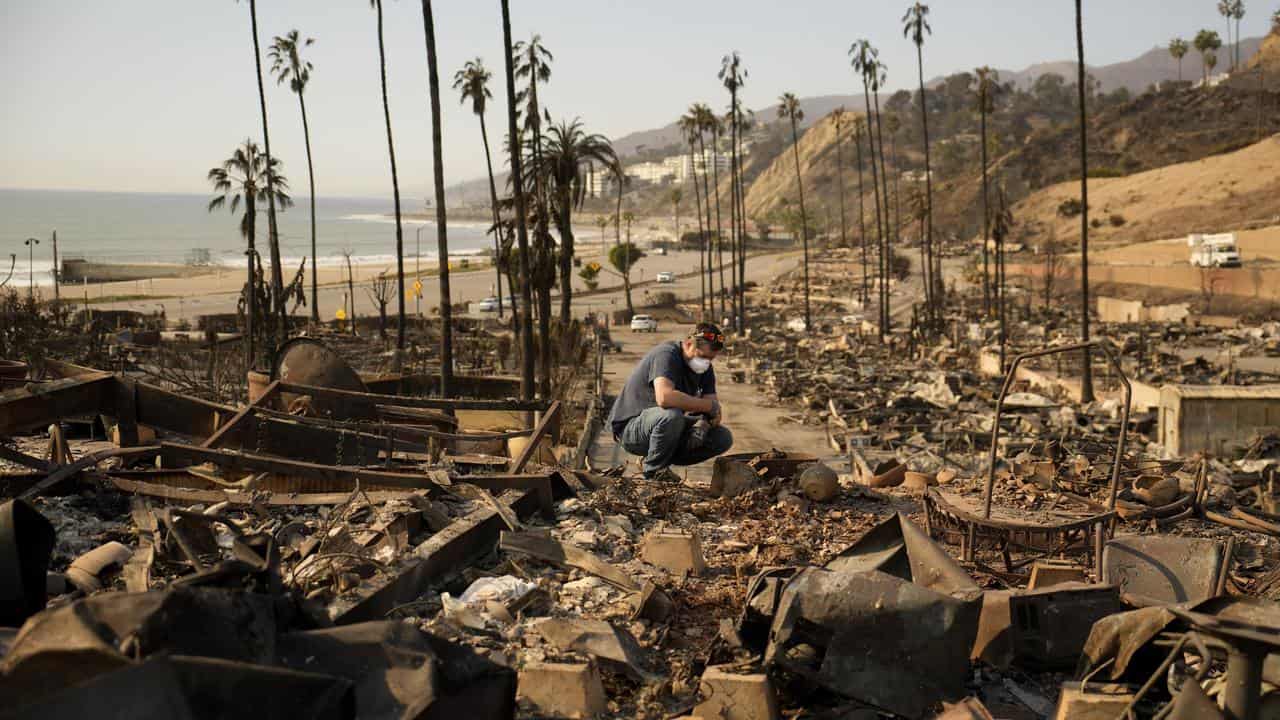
x=31, y=259
x=57, y=269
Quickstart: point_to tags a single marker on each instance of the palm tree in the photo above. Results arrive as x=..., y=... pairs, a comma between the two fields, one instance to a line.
x=916, y=26
x=395, y=179
x=878, y=80
x=1206, y=42
x=472, y=83
x=866, y=63
x=521, y=217
x=1237, y=14
x=733, y=76
x=273, y=237
x=1086, y=380
x=859, y=127
x=442, y=225
x=708, y=122
x=893, y=124
x=838, y=116
x=1178, y=49
x=288, y=66
x=1210, y=62
x=534, y=66
x=987, y=80
x=243, y=179
x=1225, y=10
x=568, y=154
x=690, y=127
x=789, y=109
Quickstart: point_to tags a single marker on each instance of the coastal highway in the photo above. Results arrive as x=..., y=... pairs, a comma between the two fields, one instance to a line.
x=189, y=298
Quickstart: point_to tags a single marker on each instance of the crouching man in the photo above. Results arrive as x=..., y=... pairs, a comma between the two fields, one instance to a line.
x=668, y=412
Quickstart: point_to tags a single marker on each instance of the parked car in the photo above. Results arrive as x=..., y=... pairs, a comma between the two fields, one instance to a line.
x=489, y=304
x=643, y=323
x=666, y=276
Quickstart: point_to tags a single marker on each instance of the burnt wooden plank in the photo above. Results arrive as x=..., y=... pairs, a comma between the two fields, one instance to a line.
x=550, y=417
x=36, y=406
x=362, y=403
x=177, y=454
x=263, y=399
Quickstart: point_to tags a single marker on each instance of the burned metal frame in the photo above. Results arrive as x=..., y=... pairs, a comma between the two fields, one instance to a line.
x=945, y=519
x=1004, y=392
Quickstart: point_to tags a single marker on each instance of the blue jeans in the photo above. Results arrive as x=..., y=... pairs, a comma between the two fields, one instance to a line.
x=659, y=436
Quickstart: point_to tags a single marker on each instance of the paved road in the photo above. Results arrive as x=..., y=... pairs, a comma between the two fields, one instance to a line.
x=464, y=286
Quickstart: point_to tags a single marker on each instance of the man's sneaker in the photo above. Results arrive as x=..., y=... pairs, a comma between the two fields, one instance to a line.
x=665, y=475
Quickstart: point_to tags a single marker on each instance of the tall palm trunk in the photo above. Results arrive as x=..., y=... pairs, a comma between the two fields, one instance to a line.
x=1086, y=380
x=889, y=240
x=986, y=210
x=844, y=229
x=251, y=286
x=698, y=204
x=706, y=193
x=311, y=181
x=880, y=231
x=742, y=226
x=740, y=239
x=522, y=233
x=862, y=222
x=497, y=216
x=928, y=169
x=395, y=182
x=544, y=251
x=734, y=239
x=566, y=267
x=442, y=234
x=804, y=222
x=273, y=237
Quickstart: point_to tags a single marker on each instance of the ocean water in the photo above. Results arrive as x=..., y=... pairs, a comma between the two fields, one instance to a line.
x=164, y=228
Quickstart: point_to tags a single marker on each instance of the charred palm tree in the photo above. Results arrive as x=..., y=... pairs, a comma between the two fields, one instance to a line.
x=522, y=232
x=866, y=63
x=709, y=123
x=288, y=66
x=472, y=83
x=986, y=79
x=789, y=109
x=690, y=128
x=442, y=225
x=395, y=179
x=839, y=117
x=243, y=179
x=1086, y=380
x=915, y=27
x=733, y=76
x=878, y=79
x=859, y=129
x=273, y=235
x=533, y=65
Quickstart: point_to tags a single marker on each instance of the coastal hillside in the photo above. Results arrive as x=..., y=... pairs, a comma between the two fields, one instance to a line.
x=1214, y=194
x=1030, y=149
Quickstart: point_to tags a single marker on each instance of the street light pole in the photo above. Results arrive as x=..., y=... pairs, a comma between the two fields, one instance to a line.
x=417, y=269
x=31, y=274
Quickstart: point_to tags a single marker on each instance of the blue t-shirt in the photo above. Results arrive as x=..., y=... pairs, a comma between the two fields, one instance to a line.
x=665, y=360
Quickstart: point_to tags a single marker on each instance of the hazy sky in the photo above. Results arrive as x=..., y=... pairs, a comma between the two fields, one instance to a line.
x=146, y=95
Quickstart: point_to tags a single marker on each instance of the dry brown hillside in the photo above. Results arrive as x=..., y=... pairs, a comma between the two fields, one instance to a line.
x=818, y=165
x=1219, y=193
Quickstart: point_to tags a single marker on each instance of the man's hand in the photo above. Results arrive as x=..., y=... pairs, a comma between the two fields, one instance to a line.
x=715, y=411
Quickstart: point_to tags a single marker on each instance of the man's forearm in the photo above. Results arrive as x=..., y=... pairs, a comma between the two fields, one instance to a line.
x=683, y=401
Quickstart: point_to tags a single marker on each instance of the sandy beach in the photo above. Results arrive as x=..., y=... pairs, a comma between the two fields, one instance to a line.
x=218, y=291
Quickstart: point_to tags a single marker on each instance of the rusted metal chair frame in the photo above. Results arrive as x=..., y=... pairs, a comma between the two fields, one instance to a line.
x=942, y=517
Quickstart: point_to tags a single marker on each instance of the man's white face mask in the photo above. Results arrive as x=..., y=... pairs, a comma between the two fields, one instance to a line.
x=699, y=364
